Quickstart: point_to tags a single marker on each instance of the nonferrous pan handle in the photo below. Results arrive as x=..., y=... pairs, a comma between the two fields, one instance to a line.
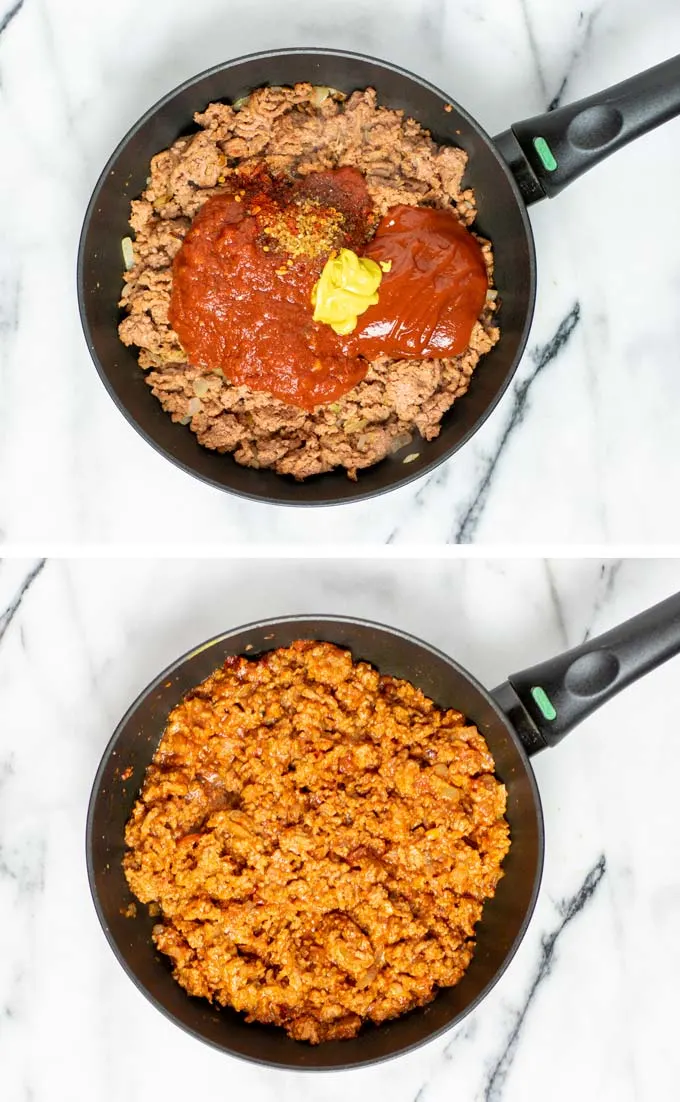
x=546, y=702
x=549, y=151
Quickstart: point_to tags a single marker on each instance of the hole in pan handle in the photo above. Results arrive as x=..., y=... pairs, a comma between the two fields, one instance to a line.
x=549, y=151
x=545, y=702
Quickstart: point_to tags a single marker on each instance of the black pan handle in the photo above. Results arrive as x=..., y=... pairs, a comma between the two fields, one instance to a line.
x=549, y=151
x=546, y=702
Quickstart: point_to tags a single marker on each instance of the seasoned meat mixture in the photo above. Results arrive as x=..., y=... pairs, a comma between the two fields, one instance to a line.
x=294, y=132
x=320, y=840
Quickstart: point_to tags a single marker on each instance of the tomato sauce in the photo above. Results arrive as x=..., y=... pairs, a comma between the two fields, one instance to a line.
x=243, y=278
x=433, y=293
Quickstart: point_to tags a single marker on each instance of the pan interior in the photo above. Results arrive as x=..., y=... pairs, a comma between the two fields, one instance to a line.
x=501, y=216
x=132, y=747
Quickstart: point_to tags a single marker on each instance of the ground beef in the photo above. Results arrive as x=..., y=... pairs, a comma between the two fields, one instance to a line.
x=319, y=839
x=295, y=131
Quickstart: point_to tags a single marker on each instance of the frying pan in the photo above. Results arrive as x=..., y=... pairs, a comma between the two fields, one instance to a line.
x=530, y=711
x=532, y=159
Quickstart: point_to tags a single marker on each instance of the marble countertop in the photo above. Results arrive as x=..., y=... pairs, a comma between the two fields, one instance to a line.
x=581, y=451
x=588, y=1007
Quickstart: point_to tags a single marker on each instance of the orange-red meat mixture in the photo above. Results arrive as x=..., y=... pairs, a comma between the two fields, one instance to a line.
x=320, y=840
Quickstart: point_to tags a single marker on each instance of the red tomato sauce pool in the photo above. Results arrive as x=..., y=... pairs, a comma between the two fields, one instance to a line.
x=434, y=291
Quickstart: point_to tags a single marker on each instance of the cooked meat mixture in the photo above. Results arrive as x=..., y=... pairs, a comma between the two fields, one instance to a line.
x=294, y=132
x=320, y=840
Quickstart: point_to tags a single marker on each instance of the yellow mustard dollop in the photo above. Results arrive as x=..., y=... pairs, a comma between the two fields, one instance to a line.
x=347, y=286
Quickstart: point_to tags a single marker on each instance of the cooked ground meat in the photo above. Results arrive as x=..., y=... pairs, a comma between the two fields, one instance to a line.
x=295, y=131
x=320, y=840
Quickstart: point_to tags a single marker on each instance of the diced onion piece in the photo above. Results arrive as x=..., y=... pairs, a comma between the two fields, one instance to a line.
x=321, y=92
x=448, y=791
x=240, y=102
x=400, y=441
x=441, y=788
x=411, y=457
x=201, y=386
x=195, y=406
x=128, y=253
x=354, y=424
x=368, y=976
x=491, y=294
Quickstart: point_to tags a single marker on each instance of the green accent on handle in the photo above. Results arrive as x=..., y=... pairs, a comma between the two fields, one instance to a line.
x=544, y=702
x=545, y=153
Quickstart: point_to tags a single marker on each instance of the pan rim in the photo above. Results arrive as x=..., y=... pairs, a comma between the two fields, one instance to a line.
x=275, y=622
x=407, y=476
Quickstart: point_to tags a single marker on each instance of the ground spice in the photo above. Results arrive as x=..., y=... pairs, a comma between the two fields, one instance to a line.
x=305, y=228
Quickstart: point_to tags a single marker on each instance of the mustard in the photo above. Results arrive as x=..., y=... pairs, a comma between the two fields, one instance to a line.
x=348, y=285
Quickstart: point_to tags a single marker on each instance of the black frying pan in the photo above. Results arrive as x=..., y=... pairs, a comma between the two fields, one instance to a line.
x=516, y=719
x=544, y=154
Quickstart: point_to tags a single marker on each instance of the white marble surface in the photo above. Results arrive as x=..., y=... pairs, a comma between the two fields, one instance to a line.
x=591, y=1003
x=597, y=447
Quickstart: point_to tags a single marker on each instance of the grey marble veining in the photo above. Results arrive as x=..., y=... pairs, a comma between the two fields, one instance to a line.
x=587, y=1007
x=582, y=448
